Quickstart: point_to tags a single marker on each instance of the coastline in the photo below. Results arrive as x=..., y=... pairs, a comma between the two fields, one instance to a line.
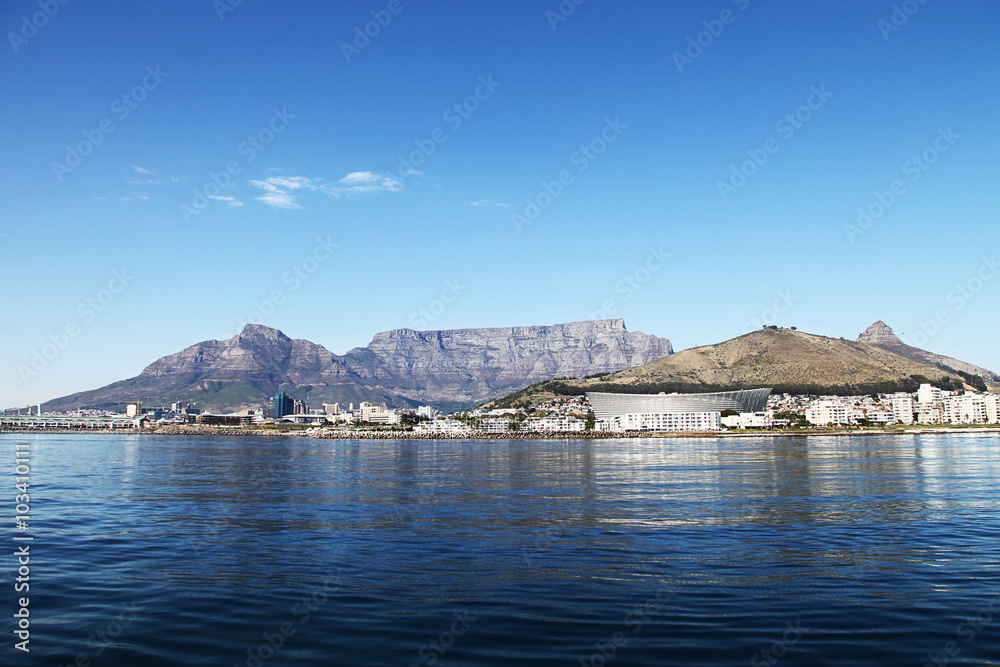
x=333, y=434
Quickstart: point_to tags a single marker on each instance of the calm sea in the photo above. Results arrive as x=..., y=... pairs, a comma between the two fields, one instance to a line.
x=290, y=551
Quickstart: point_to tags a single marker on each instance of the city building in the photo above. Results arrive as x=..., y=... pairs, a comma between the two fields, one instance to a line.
x=377, y=414
x=494, y=425
x=902, y=408
x=992, y=404
x=929, y=394
x=283, y=405
x=746, y=420
x=826, y=412
x=554, y=425
x=661, y=421
x=442, y=426
x=965, y=409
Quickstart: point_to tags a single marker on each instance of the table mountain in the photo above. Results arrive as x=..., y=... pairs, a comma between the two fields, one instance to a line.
x=403, y=368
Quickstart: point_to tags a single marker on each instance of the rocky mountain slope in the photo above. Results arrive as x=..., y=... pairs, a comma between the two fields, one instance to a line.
x=880, y=335
x=403, y=368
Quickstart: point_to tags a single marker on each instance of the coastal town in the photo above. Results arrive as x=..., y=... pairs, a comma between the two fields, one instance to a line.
x=928, y=406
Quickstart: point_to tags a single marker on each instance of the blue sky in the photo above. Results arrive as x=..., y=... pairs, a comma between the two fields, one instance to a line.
x=234, y=162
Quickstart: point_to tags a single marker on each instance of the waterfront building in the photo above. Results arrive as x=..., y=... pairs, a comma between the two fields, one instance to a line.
x=661, y=422
x=965, y=409
x=929, y=394
x=283, y=405
x=902, y=408
x=991, y=402
x=671, y=412
x=555, y=425
x=443, y=426
x=745, y=420
x=826, y=412
x=494, y=425
x=377, y=414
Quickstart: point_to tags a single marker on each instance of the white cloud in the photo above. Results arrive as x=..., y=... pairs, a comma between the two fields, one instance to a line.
x=282, y=191
x=230, y=201
x=488, y=203
x=363, y=183
x=140, y=170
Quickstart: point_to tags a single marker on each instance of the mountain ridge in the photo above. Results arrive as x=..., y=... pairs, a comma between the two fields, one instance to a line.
x=402, y=368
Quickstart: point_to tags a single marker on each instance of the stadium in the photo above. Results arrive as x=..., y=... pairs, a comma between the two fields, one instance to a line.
x=696, y=412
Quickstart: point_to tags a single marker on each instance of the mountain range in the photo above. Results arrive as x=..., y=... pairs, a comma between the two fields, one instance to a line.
x=462, y=368
x=404, y=368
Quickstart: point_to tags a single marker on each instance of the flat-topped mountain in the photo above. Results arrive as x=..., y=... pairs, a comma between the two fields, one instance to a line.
x=402, y=368
x=880, y=335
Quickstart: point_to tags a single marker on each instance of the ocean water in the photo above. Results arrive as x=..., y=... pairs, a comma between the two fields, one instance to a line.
x=879, y=550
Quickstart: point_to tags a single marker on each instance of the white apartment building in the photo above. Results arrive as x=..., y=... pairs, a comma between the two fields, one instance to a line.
x=881, y=416
x=555, y=425
x=495, y=425
x=748, y=420
x=902, y=408
x=822, y=413
x=929, y=413
x=965, y=409
x=377, y=414
x=425, y=411
x=443, y=426
x=992, y=405
x=929, y=394
x=662, y=421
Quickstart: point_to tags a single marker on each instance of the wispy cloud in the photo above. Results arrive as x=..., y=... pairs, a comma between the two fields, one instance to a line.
x=365, y=182
x=140, y=170
x=283, y=191
x=229, y=201
x=488, y=203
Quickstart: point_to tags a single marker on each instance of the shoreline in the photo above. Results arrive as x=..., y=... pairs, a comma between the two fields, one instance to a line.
x=332, y=434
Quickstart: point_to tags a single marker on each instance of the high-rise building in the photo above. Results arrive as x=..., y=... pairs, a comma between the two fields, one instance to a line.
x=283, y=405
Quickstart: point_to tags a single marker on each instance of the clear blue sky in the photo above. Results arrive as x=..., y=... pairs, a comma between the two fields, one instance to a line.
x=182, y=91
